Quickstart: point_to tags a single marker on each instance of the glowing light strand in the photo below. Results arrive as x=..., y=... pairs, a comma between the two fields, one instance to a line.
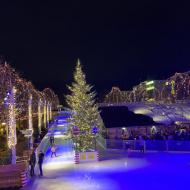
x=39, y=116
x=47, y=107
x=12, y=138
x=50, y=110
x=24, y=89
x=30, y=123
x=45, y=114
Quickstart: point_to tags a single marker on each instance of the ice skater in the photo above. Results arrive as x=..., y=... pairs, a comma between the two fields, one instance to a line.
x=53, y=151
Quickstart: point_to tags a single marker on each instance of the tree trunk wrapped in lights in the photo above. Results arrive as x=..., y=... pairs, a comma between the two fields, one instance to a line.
x=47, y=107
x=45, y=114
x=50, y=111
x=85, y=115
x=9, y=78
x=30, y=123
x=12, y=138
x=39, y=115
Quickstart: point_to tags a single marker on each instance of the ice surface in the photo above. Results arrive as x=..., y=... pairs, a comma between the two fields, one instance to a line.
x=117, y=170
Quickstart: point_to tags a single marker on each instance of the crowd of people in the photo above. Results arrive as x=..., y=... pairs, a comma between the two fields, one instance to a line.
x=178, y=134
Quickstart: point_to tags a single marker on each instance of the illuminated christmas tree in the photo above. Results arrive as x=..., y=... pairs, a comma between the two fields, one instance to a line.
x=85, y=115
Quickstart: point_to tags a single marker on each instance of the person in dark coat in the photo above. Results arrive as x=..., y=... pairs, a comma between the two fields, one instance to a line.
x=40, y=162
x=51, y=140
x=32, y=163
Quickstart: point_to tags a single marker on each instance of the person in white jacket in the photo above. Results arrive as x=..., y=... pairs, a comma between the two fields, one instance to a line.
x=53, y=151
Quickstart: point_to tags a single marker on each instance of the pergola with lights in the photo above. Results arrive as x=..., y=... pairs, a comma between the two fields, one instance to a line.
x=19, y=100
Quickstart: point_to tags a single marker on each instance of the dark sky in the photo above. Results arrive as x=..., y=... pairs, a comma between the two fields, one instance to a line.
x=119, y=43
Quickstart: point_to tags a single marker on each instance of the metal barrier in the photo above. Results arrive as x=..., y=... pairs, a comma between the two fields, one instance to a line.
x=148, y=145
x=44, y=144
x=101, y=141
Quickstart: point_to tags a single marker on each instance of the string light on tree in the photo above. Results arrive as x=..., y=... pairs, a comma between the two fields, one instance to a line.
x=12, y=138
x=45, y=113
x=39, y=115
x=30, y=124
x=50, y=111
x=47, y=107
x=85, y=114
x=24, y=89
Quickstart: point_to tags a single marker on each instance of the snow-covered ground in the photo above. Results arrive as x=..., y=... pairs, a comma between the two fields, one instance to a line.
x=117, y=170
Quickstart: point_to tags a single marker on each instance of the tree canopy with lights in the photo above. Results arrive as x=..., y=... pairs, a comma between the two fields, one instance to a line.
x=9, y=78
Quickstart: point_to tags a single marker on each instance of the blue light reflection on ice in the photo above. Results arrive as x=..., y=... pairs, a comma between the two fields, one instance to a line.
x=117, y=171
x=151, y=171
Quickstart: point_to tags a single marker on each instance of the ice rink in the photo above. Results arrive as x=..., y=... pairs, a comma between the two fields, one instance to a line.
x=117, y=170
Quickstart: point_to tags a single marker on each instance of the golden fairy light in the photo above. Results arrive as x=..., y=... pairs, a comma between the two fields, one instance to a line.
x=39, y=115
x=12, y=138
x=8, y=78
x=30, y=124
x=50, y=111
x=45, y=114
x=47, y=107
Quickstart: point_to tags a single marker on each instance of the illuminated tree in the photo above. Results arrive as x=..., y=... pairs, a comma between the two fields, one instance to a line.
x=25, y=109
x=12, y=137
x=85, y=115
x=47, y=107
x=45, y=113
x=51, y=97
x=39, y=115
x=30, y=123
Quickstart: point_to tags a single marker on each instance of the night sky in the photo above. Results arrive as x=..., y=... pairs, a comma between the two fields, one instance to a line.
x=119, y=43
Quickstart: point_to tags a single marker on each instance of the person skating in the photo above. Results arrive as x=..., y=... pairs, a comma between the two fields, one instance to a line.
x=53, y=151
x=40, y=162
x=32, y=163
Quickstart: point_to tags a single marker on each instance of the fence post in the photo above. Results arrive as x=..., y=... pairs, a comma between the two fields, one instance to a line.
x=144, y=145
x=123, y=144
x=166, y=145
